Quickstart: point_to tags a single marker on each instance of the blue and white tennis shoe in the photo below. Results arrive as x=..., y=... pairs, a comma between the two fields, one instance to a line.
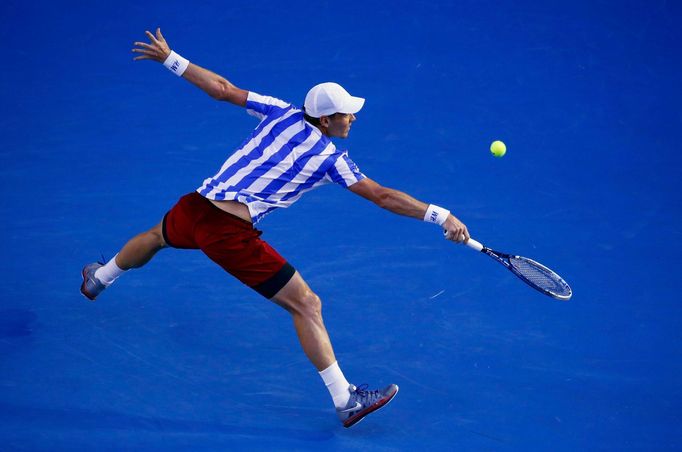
x=363, y=402
x=91, y=286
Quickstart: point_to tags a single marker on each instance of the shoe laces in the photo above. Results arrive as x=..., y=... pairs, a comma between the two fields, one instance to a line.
x=362, y=391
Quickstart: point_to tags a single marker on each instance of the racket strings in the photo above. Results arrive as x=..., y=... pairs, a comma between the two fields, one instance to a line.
x=542, y=277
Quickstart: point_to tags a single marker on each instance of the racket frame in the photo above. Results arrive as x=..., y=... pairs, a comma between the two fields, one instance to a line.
x=504, y=259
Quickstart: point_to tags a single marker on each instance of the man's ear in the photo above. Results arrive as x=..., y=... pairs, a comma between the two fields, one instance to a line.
x=324, y=121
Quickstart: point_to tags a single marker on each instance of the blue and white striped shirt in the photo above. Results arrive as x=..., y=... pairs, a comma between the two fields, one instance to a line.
x=283, y=158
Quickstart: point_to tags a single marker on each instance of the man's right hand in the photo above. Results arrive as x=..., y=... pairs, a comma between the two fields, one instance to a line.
x=156, y=50
x=455, y=230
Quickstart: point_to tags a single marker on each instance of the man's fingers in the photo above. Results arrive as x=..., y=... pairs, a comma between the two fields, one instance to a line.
x=146, y=52
x=149, y=51
x=457, y=232
x=454, y=236
x=151, y=36
x=144, y=44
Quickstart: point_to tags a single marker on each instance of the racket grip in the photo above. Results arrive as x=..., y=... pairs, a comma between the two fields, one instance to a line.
x=474, y=245
x=471, y=243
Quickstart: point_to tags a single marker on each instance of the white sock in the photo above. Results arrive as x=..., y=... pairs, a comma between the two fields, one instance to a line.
x=336, y=384
x=109, y=272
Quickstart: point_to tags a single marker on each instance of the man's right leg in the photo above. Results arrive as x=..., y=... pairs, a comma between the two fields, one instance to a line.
x=352, y=403
x=306, y=309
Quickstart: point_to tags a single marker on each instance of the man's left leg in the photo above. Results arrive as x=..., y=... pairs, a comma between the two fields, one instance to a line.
x=175, y=230
x=138, y=251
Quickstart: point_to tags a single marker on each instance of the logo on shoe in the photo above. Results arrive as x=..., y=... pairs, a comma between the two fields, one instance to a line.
x=353, y=408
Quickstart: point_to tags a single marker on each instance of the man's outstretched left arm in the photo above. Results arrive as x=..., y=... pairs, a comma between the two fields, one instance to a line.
x=214, y=85
x=404, y=204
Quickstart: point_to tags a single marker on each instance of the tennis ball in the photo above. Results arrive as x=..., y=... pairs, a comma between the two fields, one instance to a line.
x=498, y=149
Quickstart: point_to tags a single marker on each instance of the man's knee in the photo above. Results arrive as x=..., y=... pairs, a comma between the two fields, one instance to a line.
x=297, y=298
x=310, y=304
x=305, y=303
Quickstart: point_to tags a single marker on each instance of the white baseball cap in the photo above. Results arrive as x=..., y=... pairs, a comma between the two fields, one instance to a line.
x=328, y=98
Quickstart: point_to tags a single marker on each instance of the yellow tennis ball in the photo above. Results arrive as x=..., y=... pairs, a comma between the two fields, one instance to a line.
x=498, y=149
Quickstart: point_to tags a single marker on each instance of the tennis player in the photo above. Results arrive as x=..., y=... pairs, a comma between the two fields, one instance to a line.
x=289, y=153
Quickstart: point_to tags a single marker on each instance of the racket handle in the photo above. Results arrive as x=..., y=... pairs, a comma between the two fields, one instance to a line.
x=471, y=243
x=474, y=245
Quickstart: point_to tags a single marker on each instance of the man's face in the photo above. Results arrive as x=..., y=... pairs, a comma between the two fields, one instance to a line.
x=339, y=124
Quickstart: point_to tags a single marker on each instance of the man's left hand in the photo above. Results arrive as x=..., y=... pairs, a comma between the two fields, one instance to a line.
x=156, y=50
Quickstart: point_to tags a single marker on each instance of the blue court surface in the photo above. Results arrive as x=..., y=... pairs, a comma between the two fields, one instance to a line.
x=178, y=355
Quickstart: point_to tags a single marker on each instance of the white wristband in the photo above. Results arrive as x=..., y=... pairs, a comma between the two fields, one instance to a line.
x=435, y=214
x=176, y=64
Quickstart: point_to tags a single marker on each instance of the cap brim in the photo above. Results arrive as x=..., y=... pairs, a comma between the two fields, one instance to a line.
x=353, y=105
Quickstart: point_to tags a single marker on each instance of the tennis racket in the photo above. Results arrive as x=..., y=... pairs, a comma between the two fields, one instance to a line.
x=529, y=271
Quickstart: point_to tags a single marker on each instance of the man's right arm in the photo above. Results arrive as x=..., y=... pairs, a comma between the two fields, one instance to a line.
x=211, y=83
x=403, y=204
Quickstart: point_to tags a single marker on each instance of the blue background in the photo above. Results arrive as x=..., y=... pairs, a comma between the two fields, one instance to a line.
x=94, y=148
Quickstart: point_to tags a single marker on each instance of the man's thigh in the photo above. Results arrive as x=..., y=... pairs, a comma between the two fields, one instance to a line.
x=252, y=261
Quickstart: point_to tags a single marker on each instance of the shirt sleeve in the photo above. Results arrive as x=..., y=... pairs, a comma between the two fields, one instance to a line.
x=344, y=171
x=263, y=106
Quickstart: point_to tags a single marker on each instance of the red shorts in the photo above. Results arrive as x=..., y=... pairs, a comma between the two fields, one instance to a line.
x=195, y=223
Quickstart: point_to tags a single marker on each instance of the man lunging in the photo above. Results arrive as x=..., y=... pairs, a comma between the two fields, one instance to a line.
x=288, y=154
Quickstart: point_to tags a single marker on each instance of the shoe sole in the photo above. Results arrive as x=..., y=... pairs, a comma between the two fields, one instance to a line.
x=351, y=421
x=83, y=287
